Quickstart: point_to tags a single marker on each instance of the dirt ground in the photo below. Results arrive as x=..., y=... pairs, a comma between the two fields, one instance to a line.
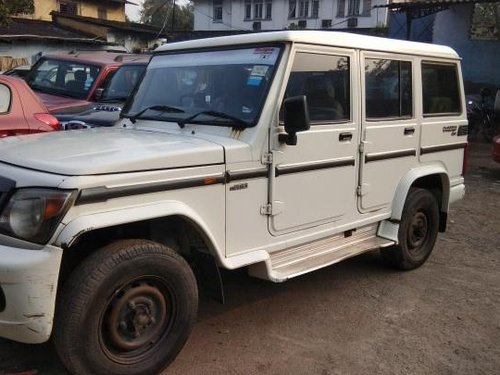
x=356, y=317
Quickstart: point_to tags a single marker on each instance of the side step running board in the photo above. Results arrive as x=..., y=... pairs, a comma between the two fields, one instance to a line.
x=295, y=261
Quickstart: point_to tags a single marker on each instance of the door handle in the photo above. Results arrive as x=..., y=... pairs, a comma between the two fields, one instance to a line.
x=409, y=131
x=344, y=137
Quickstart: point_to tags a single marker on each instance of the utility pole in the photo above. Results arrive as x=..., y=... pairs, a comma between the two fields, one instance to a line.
x=173, y=16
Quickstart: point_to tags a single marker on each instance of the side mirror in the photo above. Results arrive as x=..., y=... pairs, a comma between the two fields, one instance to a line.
x=497, y=103
x=98, y=93
x=296, y=116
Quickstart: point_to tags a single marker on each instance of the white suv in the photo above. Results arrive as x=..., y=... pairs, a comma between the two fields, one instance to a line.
x=282, y=152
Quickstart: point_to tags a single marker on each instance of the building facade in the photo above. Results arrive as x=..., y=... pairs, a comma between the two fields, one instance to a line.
x=470, y=27
x=113, y=10
x=288, y=14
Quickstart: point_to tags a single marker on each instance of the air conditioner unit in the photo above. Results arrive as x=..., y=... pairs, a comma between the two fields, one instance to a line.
x=326, y=24
x=302, y=24
x=256, y=26
x=352, y=22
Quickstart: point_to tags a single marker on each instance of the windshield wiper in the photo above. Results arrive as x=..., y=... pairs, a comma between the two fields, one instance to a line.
x=223, y=115
x=163, y=108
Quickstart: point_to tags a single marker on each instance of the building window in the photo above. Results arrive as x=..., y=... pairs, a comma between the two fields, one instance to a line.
x=257, y=9
x=269, y=9
x=353, y=8
x=248, y=9
x=367, y=8
x=292, y=9
x=102, y=13
x=341, y=8
x=303, y=8
x=485, y=23
x=315, y=9
x=68, y=7
x=388, y=85
x=217, y=10
x=440, y=90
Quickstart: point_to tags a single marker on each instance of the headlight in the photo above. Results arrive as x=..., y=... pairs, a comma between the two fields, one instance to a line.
x=33, y=214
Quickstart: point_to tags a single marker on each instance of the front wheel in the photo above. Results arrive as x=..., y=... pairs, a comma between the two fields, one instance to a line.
x=127, y=309
x=417, y=231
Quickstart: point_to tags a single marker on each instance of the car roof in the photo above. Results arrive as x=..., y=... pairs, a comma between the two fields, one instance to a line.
x=98, y=57
x=326, y=38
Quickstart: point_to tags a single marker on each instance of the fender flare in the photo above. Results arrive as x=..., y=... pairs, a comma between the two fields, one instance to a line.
x=86, y=223
x=407, y=181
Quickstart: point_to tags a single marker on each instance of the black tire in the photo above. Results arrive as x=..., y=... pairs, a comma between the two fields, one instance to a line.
x=417, y=231
x=127, y=309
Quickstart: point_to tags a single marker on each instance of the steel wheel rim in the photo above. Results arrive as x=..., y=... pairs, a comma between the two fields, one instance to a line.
x=138, y=316
x=418, y=232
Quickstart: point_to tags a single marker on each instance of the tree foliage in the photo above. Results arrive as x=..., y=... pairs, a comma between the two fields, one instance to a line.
x=161, y=13
x=13, y=7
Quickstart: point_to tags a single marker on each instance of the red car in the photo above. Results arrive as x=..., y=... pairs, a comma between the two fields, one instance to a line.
x=72, y=80
x=21, y=111
x=496, y=149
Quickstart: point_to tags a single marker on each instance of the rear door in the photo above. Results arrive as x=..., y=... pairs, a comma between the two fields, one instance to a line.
x=391, y=130
x=314, y=182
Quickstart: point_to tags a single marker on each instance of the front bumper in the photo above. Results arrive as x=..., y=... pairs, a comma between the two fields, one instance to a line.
x=28, y=280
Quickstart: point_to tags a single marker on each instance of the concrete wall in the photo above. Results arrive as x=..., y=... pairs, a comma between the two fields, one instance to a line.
x=481, y=59
x=115, y=11
x=233, y=16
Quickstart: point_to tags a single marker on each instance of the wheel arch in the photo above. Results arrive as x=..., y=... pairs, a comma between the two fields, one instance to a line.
x=433, y=178
x=173, y=224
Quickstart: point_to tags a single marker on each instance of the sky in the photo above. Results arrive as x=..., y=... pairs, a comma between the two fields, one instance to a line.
x=133, y=11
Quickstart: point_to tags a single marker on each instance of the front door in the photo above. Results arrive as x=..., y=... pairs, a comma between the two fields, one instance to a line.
x=314, y=182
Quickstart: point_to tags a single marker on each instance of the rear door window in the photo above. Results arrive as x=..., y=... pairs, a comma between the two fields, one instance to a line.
x=388, y=85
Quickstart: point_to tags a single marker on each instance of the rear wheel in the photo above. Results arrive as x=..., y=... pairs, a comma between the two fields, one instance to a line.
x=127, y=309
x=417, y=231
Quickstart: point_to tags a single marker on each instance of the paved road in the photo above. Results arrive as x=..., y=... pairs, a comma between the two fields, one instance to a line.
x=356, y=317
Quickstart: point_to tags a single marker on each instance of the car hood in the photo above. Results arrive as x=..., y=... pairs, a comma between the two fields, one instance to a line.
x=56, y=103
x=107, y=150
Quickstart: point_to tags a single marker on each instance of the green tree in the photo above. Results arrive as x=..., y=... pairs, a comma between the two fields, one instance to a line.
x=13, y=7
x=161, y=13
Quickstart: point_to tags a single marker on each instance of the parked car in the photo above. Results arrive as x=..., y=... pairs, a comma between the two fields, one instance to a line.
x=72, y=80
x=496, y=149
x=21, y=111
x=110, y=101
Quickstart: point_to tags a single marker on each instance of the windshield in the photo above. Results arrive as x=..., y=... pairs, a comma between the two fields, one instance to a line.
x=63, y=78
x=230, y=82
x=122, y=83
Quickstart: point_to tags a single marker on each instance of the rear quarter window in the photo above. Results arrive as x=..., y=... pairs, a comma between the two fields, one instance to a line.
x=5, y=98
x=440, y=89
